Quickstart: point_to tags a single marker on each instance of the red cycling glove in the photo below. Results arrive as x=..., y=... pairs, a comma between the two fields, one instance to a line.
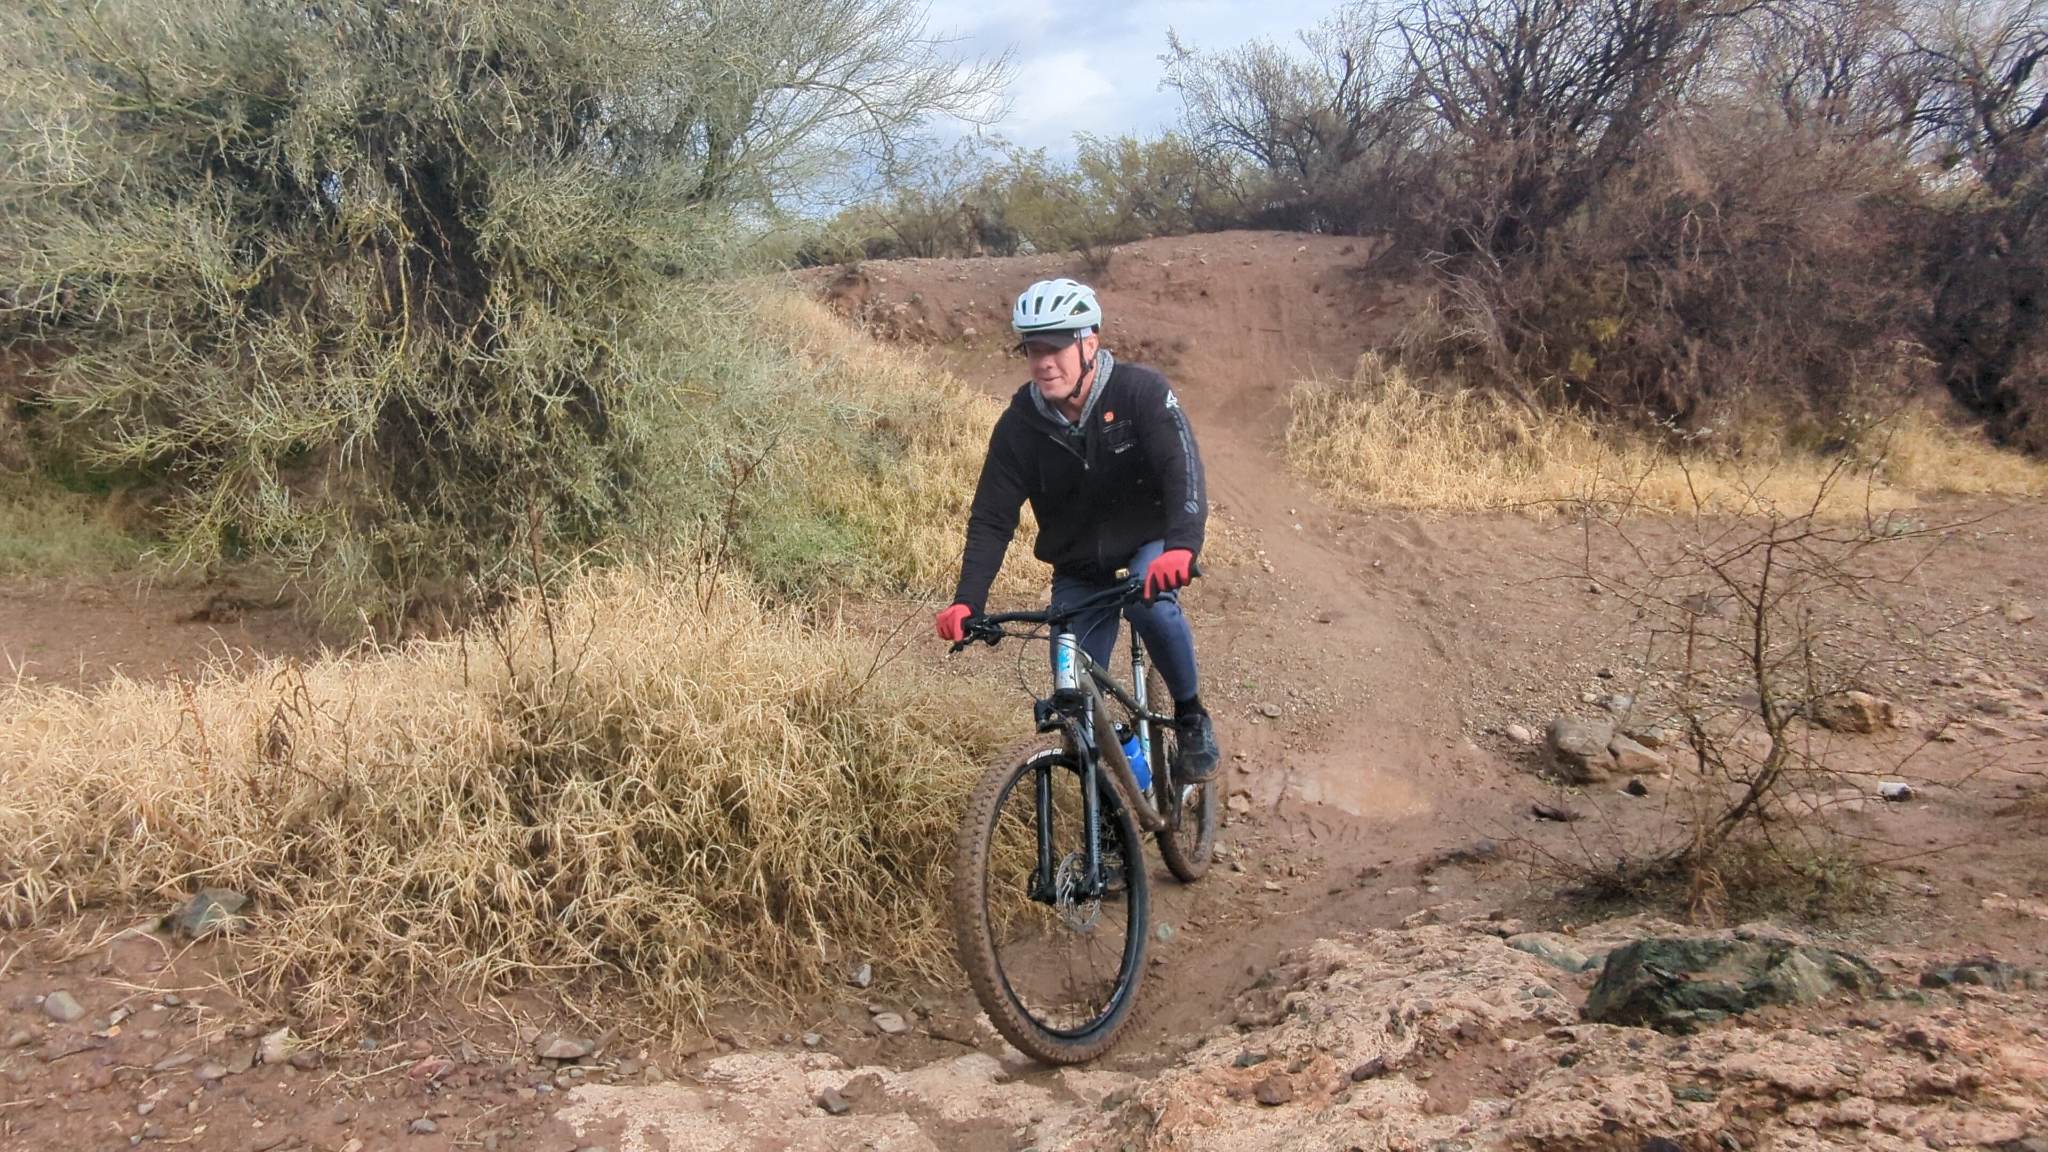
x=952, y=623
x=1169, y=572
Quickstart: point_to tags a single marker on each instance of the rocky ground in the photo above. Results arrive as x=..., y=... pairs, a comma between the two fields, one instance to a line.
x=1446, y=1037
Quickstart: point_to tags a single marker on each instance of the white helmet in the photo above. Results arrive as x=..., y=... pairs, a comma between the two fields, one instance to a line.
x=1059, y=306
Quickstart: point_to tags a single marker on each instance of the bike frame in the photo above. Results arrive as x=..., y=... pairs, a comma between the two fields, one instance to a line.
x=1079, y=688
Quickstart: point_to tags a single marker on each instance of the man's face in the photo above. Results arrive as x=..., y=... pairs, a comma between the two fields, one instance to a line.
x=1058, y=371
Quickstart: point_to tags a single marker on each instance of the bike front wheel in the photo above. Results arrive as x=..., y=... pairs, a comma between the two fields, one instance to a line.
x=1055, y=960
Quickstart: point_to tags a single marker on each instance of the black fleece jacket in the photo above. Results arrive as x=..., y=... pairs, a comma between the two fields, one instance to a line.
x=1129, y=475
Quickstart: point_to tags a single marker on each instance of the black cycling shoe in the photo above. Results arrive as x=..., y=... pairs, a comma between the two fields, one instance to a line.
x=1198, y=753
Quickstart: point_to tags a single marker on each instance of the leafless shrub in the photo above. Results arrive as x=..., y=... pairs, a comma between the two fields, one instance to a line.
x=1327, y=131
x=1766, y=642
x=1985, y=121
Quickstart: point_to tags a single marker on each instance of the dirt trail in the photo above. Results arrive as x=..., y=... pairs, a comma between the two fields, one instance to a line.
x=1235, y=320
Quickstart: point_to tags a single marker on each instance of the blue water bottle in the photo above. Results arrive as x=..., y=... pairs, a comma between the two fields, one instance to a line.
x=1134, y=751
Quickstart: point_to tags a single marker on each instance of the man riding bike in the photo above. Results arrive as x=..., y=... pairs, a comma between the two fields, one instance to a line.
x=1104, y=453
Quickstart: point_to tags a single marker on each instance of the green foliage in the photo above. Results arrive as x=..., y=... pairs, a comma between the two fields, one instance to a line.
x=397, y=293
x=990, y=198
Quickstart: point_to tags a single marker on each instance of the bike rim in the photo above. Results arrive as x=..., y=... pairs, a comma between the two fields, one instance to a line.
x=1067, y=964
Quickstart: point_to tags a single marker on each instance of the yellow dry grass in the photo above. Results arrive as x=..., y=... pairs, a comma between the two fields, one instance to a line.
x=648, y=786
x=911, y=508
x=1379, y=439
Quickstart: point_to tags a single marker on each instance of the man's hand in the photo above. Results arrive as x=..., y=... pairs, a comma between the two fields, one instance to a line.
x=1169, y=572
x=952, y=623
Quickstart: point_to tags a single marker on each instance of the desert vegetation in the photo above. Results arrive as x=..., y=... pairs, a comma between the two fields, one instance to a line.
x=1680, y=215
x=1379, y=439
x=389, y=299
x=650, y=785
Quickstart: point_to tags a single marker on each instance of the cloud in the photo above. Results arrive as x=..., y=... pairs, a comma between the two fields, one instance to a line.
x=1055, y=96
x=1091, y=66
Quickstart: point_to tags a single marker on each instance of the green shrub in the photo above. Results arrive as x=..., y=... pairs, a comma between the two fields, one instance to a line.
x=395, y=294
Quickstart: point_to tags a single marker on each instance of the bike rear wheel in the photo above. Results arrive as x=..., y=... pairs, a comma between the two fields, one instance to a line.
x=1057, y=970
x=1188, y=842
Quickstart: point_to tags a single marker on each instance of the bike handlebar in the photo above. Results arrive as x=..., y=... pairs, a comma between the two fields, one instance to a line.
x=989, y=629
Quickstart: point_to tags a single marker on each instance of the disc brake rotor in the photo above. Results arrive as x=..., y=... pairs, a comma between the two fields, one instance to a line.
x=1069, y=881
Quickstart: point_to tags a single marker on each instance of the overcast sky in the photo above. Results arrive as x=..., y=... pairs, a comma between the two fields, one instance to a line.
x=1093, y=65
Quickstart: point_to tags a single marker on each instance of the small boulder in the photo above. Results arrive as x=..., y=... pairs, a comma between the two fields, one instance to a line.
x=1372, y=1069
x=1578, y=749
x=2018, y=612
x=562, y=1048
x=276, y=1047
x=833, y=1103
x=1274, y=1090
x=423, y=1127
x=1982, y=972
x=1519, y=734
x=210, y=910
x=862, y=976
x=1853, y=712
x=1674, y=983
x=60, y=1006
x=891, y=1024
x=1633, y=758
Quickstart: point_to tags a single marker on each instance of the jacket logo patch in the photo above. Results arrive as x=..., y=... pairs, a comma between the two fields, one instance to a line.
x=1109, y=417
x=1172, y=401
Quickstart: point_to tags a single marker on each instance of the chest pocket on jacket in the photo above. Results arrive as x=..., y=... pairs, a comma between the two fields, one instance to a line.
x=1118, y=439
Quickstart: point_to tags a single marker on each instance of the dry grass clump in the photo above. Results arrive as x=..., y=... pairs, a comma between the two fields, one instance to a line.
x=647, y=786
x=47, y=531
x=899, y=485
x=1378, y=438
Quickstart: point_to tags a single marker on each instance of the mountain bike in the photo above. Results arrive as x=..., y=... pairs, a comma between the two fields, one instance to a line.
x=1049, y=886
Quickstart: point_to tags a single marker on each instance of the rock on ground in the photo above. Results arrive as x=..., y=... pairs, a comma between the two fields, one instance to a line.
x=60, y=1006
x=1578, y=749
x=1633, y=758
x=1676, y=983
x=1853, y=712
